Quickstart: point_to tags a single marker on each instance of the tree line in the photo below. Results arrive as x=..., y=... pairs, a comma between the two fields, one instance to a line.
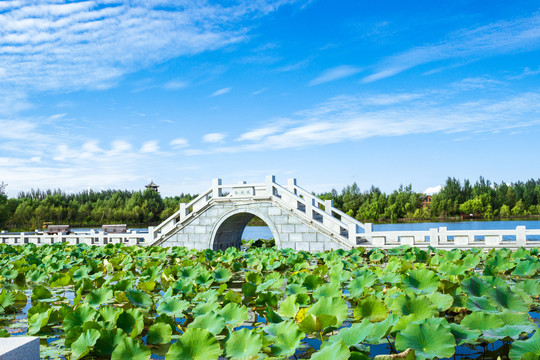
x=88, y=208
x=483, y=199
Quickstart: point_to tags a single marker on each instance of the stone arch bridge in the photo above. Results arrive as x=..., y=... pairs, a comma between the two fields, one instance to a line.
x=299, y=220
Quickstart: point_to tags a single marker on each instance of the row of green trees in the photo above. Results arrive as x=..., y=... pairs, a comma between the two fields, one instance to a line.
x=484, y=199
x=90, y=208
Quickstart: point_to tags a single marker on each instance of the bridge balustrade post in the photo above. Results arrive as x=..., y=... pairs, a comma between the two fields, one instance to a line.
x=352, y=233
x=182, y=211
x=328, y=205
x=521, y=237
x=152, y=234
x=434, y=237
x=291, y=183
x=270, y=180
x=443, y=235
x=216, y=190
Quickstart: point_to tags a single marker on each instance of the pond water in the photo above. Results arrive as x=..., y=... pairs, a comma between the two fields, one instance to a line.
x=264, y=232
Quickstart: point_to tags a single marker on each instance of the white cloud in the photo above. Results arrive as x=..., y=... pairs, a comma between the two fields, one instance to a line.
x=179, y=143
x=497, y=38
x=221, y=91
x=433, y=190
x=175, y=85
x=335, y=73
x=150, y=146
x=91, y=44
x=214, y=137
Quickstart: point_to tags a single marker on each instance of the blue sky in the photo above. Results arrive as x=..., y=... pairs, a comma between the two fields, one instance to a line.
x=109, y=94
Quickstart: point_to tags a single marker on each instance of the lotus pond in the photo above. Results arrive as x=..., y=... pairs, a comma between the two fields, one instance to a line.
x=124, y=302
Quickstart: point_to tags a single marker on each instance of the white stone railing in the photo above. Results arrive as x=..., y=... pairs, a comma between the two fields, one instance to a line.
x=461, y=239
x=91, y=237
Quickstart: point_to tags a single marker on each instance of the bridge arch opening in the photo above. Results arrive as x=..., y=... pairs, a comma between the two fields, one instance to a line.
x=229, y=230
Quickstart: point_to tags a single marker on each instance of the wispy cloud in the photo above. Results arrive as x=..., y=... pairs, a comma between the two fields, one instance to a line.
x=526, y=73
x=221, y=92
x=335, y=73
x=150, y=147
x=354, y=118
x=179, y=143
x=91, y=44
x=214, y=137
x=175, y=85
x=493, y=39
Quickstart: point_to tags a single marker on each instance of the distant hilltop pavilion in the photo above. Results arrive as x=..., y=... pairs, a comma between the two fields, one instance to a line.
x=152, y=186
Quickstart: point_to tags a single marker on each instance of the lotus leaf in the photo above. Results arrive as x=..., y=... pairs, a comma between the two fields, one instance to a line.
x=289, y=307
x=159, y=333
x=243, y=344
x=482, y=321
x=336, y=307
x=371, y=308
x=83, y=345
x=285, y=336
x=204, y=308
x=38, y=321
x=98, y=297
x=474, y=286
x=234, y=314
x=195, y=344
x=463, y=334
x=417, y=305
x=109, y=315
x=477, y=303
x=78, y=317
x=221, y=275
x=360, y=283
x=7, y=299
x=108, y=341
x=421, y=281
x=354, y=334
x=526, y=268
x=130, y=349
x=530, y=286
x=427, y=341
x=40, y=292
x=139, y=298
x=332, y=289
x=504, y=298
x=441, y=301
x=173, y=306
x=336, y=350
x=209, y=321
x=526, y=349
x=131, y=321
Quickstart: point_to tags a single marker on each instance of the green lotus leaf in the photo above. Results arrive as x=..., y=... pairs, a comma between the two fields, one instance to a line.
x=411, y=304
x=406, y=355
x=294, y=289
x=159, y=333
x=381, y=329
x=78, y=317
x=421, y=281
x=40, y=292
x=371, y=308
x=359, y=283
x=463, y=334
x=146, y=285
x=477, y=303
x=139, y=298
x=530, y=287
x=514, y=318
x=471, y=261
x=289, y=307
x=221, y=275
x=449, y=268
x=204, y=308
x=173, y=306
x=209, y=321
x=195, y=344
x=7, y=299
x=131, y=321
x=427, y=341
x=336, y=350
x=38, y=321
x=98, y=297
x=130, y=349
x=243, y=344
x=234, y=314
x=505, y=332
x=204, y=279
x=526, y=268
x=331, y=289
x=441, y=301
x=330, y=306
x=504, y=298
x=311, y=282
x=376, y=256
x=311, y=323
x=526, y=349
x=109, y=315
x=285, y=337
x=188, y=272
x=108, y=341
x=80, y=273
x=254, y=278
x=36, y=276
x=60, y=281
x=474, y=286
x=482, y=321
x=4, y=333
x=83, y=345
x=355, y=334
